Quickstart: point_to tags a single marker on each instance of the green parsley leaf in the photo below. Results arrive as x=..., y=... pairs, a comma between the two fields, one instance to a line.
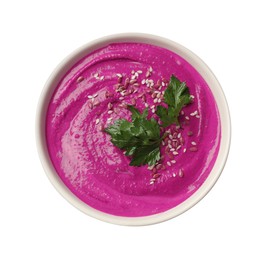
x=140, y=138
x=176, y=97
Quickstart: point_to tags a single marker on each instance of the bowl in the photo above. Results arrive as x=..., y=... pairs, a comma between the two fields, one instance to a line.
x=190, y=57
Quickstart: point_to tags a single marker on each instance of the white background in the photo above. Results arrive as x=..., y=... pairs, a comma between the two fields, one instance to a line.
x=229, y=223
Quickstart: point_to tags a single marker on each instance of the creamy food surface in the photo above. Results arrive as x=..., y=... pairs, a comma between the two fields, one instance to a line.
x=96, y=92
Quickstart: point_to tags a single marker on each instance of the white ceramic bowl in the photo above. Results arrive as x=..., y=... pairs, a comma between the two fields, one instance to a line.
x=197, y=63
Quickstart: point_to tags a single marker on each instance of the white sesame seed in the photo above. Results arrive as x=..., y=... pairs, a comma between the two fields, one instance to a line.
x=159, y=100
x=179, y=135
x=121, y=98
x=135, y=91
x=110, y=112
x=90, y=97
x=143, y=81
x=184, y=150
x=140, y=71
x=197, y=116
x=136, y=74
x=169, y=163
x=170, y=146
x=97, y=121
x=151, y=182
x=150, y=69
x=110, y=118
x=133, y=72
x=146, y=105
x=172, y=149
x=192, y=96
x=95, y=95
x=173, y=175
x=187, y=118
x=181, y=173
x=173, y=161
x=119, y=75
x=96, y=75
x=158, y=95
x=193, y=143
x=155, y=100
x=102, y=77
x=179, y=147
x=153, y=110
x=170, y=136
x=162, y=84
x=153, y=106
x=175, y=153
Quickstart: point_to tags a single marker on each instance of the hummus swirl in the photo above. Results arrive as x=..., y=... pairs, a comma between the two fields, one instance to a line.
x=93, y=94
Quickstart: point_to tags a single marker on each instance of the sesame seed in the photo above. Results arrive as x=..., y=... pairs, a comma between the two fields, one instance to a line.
x=133, y=72
x=96, y=103
x=110, y=105
x=96, y=75
x=95, y=95
x=136, y=74
x=153, y=110
x=153, y=106
x=146, y=105
x=169, y=163
x=181, y=173
x=193, y=143
x=97, y=121
x=110, y=112
x=132, y=81
x=121, y=98
x=173, y=161
x=173, y=175
x=110, y=118
x=162, y=84
x=151, y=182
x=179, y=135
x=172, y=149
x=136, y=84
x=159, y=166
x=80, y=79
x=175, y=153
x=189, y=133
x=150, y=167
x=147, y=74
x=192, y=96
x=143, y=81
x=150, y=69
x=197, y=116
x=140, y=71
x=184, y=150
x=102, y=77
x=187, y=118
x=119, y=75
x=170, y=136
x=156, y=176
x=90, y=97
x=159, y=100
x=179, y=147
x=193, y=149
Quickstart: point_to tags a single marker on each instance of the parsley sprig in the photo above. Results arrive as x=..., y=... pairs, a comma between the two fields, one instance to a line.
x=140, y=138
x=176, y=97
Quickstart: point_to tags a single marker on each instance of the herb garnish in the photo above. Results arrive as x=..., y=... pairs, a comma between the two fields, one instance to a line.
x=141, y=138
x=176, y=96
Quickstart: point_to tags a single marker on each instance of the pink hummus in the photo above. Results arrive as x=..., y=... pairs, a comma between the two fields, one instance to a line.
x=93, y=94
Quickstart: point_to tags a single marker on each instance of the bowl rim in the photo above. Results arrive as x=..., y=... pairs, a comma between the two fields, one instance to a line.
x=204, y=71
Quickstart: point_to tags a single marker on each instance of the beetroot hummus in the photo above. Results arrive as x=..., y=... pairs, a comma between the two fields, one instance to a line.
x=93, y=94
